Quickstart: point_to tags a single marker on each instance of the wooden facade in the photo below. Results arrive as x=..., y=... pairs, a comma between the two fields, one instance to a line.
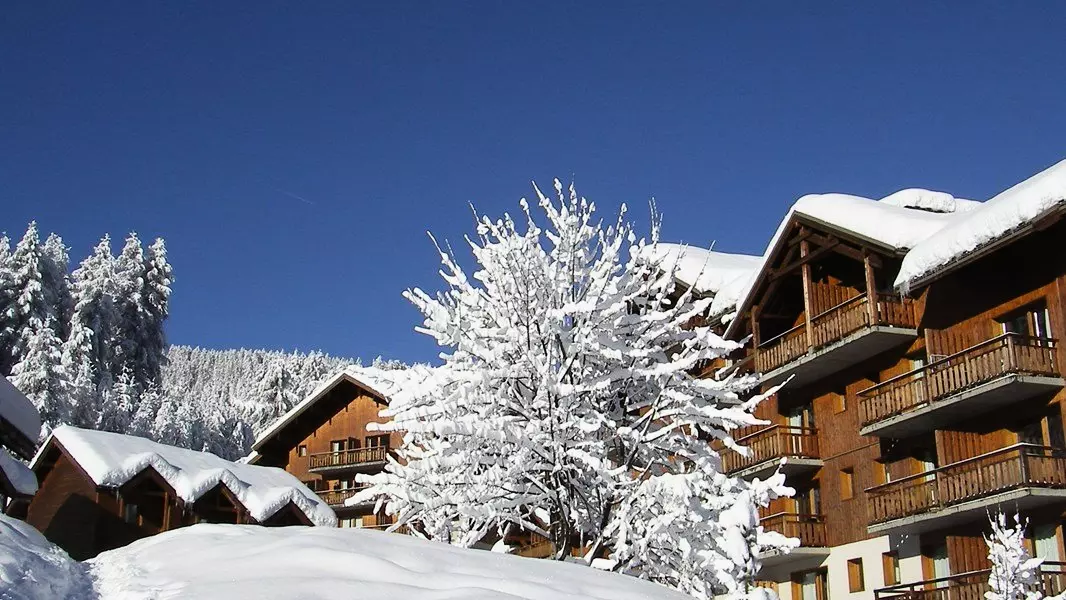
x=328, y=443
x=919, y=436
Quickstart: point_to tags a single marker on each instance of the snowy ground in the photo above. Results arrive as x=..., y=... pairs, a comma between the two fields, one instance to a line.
x=234, y=561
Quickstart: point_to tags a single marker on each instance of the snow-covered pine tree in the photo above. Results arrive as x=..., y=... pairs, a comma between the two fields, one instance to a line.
x=275, y=394
x=55, y=266
x=158, y=277
x=565, y=399
x=129, y=328
x=8, y=332
x=39, y=374
x=119, y=403
x=143, y=422
x=1014, y=574
x=28, y=299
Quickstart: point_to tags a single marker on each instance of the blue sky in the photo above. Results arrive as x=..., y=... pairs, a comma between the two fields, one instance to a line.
x=293, y=155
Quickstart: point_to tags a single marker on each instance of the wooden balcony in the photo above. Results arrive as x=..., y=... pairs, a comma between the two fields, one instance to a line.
x=1023, y=476
x=1004, y=369
x=971, y=586
x=844, y=335
x=337, y=498
x=808, y=529
x=360, y=459
x=798, y=445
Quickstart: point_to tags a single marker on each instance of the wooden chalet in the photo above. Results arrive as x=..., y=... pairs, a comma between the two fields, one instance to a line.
x=102, y=490
x=325, y=440
x=20, y=425
x=905, y=418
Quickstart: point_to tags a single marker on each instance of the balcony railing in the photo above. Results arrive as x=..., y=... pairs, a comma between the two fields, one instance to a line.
x=1009, y=353
x=774, y=442
x=809, y=529
x=832, y=326
x=1018, y=466
x=971, y=586
x=349, y=458
x=338, y=497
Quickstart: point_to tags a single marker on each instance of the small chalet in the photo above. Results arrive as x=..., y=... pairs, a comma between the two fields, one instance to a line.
x=325, y=440
x=20, y=425
x=102, y=490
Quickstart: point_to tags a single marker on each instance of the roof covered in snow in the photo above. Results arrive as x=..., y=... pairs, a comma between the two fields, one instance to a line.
x=112, y=459
x=895, y=224
x=1006, y=214
x=383, y=383
x=17, y=410
x=22, y=480
x=221, y=562
x=705, y=271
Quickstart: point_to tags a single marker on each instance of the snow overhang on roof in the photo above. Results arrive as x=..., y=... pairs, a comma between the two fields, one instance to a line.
x=705, y=271
x=112, y=459
x=17, y=410
x=1009, y=214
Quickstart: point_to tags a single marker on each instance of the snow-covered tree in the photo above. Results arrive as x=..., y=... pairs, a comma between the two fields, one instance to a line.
x=28, y=306
x=566, y=406
x=129, y=311
x=87, y=352
x=8, y=331
x=158, y=279
x=1014, y=574
x=55, y=279
x=119, y=403
x=39, y=373
x=274, y=395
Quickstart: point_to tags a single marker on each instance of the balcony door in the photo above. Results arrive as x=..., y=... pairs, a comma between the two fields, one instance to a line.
x=811, y=585
x=1046, y=542
x=808, y=500
x=936, y=564
x=800, y=416
x=1033, y=321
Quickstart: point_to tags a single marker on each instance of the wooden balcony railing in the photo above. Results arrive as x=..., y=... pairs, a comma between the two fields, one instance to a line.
x=809, y=529
x=1009, y=353
x=349, y=458
x=338, y=497
x=774, y=442
x=831, y=326
x=971, y=586
x=1017, y=466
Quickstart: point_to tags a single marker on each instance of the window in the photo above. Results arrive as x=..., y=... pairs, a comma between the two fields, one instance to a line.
x=336, y=446
x=890, y=563
x=811, y=585
x=1046, y=542
x=301, y=450
x=935, y=559
x=855, y=578
x=129, y=513
x=808, y=501
x=847, y=483
x=377, y=441
x=1032, y=321
x=801, y=416
x=886, y=471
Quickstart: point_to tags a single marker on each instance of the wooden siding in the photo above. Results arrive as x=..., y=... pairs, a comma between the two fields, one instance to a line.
x=66, y=509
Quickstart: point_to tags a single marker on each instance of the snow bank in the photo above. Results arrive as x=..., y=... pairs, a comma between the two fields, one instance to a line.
x=996, y=218
x=705, y=271
x=232, y=561
x=32, y=568
x=18, y=410
x=20, y=476
x=112, y=459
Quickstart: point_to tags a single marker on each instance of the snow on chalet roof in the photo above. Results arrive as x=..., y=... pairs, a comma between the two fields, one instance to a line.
x=1006, y=213
x=706, y=271
x=112, y=459
x=20, y=476
x=385, y=383
x=19, y=411
x=896, y=223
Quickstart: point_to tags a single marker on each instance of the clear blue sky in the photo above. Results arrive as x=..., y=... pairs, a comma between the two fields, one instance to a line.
x=294, y=154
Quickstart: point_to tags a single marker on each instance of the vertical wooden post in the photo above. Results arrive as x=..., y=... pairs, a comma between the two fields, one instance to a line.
x=805, y=249
x=754, y=326
x=871, y=287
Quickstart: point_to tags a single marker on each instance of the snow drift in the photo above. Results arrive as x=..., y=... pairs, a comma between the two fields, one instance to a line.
x=32, y=568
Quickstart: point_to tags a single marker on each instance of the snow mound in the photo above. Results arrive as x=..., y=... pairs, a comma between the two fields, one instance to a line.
x=705, y=271
x=233, y=561
x=32, y=568
x=112, y=459
x=20, y=476
x=996, y=218
x=18, y=410
x=929, y=200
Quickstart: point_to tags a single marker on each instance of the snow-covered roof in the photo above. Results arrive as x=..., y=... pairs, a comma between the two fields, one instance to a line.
x=112, y=459
x=19, y=411
x=384, y=383
x=705, y=271
x=19, y=475
x=1005, y=214
x=896, y=223
x=220, y=562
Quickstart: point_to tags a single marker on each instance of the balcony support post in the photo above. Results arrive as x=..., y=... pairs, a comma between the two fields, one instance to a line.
x=871, y=287
x=805, y=248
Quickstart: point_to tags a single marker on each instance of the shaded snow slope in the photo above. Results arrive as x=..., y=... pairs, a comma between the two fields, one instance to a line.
x=996, y=218
x=32, y=568
x=706, y=271
x=20, y=476
x=18, y=410
x=112, y=459
x=232, y=561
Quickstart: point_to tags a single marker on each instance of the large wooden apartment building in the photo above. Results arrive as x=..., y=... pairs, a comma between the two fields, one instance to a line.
x=916, y=338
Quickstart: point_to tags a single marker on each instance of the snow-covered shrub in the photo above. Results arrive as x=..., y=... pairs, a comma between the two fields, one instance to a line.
x=1014, y=573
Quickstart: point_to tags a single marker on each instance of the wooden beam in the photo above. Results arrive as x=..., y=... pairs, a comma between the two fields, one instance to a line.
x=754, y=326
x=805, y=269
x=785, y=270
x=871, y=287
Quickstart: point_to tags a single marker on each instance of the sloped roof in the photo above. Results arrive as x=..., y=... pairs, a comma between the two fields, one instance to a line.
x=112, y=459
x=1007, y=213
x=21, y=478
x=17, y=409
x=705, y=271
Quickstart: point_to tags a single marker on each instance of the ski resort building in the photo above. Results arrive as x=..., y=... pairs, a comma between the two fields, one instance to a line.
x=325, y=440
x=102, y=490
x=916, y=341
x=20, y=426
